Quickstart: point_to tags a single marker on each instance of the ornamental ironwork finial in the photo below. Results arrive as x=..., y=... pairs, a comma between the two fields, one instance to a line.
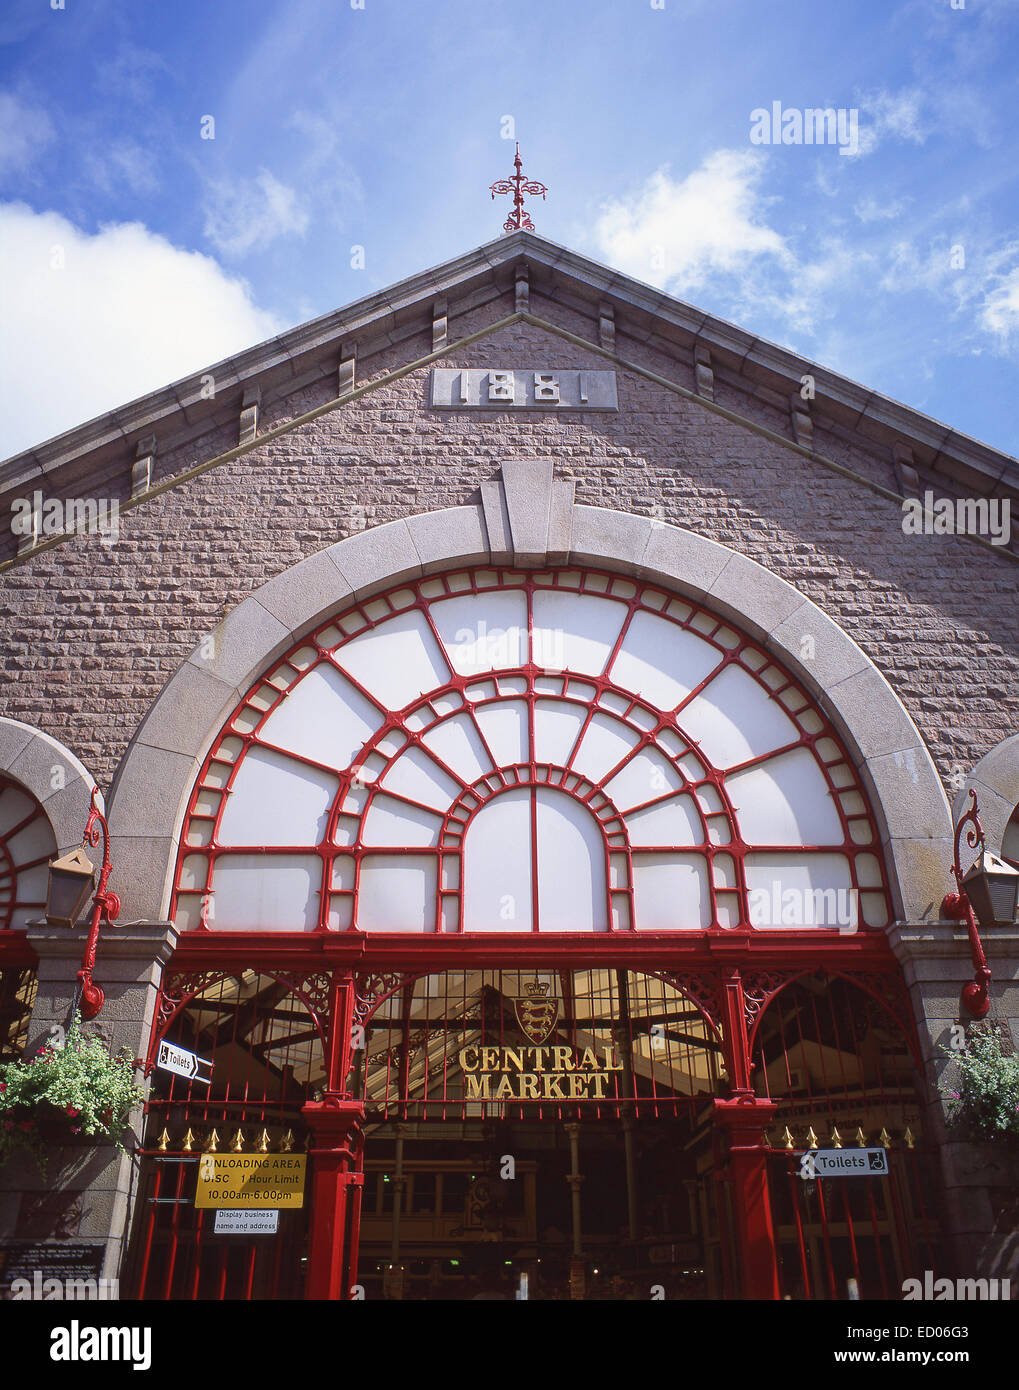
x=519, y=219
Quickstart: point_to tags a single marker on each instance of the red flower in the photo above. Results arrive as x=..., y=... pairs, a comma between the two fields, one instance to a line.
x=3, y=1085
x=70, y=1110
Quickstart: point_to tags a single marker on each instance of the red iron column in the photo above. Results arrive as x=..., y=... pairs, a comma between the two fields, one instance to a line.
x=336, y=1152
x=743, y=1120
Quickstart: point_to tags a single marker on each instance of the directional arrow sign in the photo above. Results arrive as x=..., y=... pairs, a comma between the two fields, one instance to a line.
x=182, y=1063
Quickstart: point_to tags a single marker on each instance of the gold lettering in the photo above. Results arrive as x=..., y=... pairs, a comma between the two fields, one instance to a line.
x=512, y=1057
x=489, y=1059
x=505, y=1090
x=540, y=1058
x=578, y=1086
x=463, y=1058
x=610, y=1057
x=528, y=1086
x=551, y=1089
x=478, y=1087
x=598, y=1080
x=589, y=1061
x=562, y=1061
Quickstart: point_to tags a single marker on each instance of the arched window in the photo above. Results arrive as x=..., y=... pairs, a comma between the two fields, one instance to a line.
x=26, y=847
x=502, y=751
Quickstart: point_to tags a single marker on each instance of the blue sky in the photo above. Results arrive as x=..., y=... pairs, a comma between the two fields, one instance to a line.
x=135, y=251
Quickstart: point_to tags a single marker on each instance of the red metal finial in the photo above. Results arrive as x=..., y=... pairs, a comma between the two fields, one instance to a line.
x=519, y=219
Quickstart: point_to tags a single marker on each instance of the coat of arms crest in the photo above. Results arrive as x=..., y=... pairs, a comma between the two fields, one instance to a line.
x=536, y=1013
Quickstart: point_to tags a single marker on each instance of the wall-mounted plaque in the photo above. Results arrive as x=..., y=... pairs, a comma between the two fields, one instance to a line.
x=473, y=388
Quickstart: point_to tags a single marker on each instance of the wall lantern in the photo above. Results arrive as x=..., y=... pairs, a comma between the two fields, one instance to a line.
x=71, y=881
x=72, y=878
x=992, y=886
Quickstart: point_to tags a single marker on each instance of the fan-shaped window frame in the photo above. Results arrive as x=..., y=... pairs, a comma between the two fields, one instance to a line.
x=338, y=865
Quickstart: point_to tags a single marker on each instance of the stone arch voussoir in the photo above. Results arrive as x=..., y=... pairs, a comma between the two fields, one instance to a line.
x=528, y=519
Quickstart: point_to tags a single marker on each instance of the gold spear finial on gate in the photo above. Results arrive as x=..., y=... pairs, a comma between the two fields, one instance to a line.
x=237, y=1144
x=188, y=1140
x=287, y=1142
x=211, y=1142
x=790, y=1142
x=262, y=1142
x=908, y=1138
x=162, y=1142
x=836, y=1138
x=861, y=1139
x=884, y=1138
x=811, y=1138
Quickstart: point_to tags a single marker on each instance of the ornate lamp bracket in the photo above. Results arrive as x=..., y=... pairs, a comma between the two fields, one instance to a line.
x=105, y=907
x=957, y=908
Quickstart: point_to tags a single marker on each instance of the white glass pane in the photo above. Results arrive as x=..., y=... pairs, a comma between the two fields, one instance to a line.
x=268, y=892
x=1010, y=842
x=35, y=841
x=557, y=725
x=397, y=893
x=504, y=726
x=497, y=865
x=571, y=865
x=672, y=822
x=483, y=632
x=394, y=823
x=661, y=661
x=457, y=742
x=645, y=777
x=788, y=890
x=276, y=801
x=396, y=661
x=416, y=776
x=15, y=806
x=575, y=632
x=733, y=719
x=670, y=892
x=324, y=717
x=33, y=884
x=784, y=801
x=605, y=743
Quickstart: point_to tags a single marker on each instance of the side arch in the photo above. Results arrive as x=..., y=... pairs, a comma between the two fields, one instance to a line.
x=526, y=520
x=60, y=783
x=995, y=779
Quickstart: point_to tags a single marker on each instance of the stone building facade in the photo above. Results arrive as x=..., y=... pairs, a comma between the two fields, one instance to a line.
x=339, y=462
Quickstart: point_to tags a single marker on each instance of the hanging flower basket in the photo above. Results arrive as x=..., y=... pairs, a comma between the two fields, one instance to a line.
x=67, y=1095
x=985, y=1100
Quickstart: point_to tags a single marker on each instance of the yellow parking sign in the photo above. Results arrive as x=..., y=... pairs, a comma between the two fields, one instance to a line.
x=251, y=1180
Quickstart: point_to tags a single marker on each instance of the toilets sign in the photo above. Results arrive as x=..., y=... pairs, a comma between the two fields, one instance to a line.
x=844, y=1163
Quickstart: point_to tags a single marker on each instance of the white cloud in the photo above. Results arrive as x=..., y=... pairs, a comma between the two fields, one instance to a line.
x=122, y=163
x=126, y=314
x=244, y=215
x=25, y=130
x=1000, y=313
x=870, y=209
x=892, y=115
x=678, y=232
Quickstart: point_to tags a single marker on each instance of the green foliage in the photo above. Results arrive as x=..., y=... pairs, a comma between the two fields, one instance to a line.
x=986, y=1100
x=76, y=1089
